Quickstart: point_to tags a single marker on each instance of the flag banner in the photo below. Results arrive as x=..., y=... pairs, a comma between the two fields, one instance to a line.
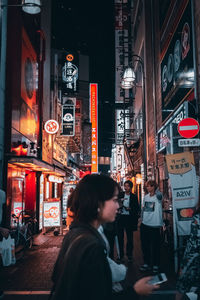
x=184, y=186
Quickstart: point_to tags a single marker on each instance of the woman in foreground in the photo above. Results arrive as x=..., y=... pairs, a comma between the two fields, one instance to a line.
x=82, y=270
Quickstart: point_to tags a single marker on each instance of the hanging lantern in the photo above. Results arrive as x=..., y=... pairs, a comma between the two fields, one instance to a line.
x=126, y=84
x=31, y=6
x=129, y=75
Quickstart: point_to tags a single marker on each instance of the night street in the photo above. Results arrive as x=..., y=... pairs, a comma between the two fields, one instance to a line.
x=100, y=142
x=31, y=276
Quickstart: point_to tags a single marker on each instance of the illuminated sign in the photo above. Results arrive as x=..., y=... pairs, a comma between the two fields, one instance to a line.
x=69, y=57
x=53, y=178
x=94, y=121
x=68, y=119
x=122, y=124
x=69, y=74
x=51, y=126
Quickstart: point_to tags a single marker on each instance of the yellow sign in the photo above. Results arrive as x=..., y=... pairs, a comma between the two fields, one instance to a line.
x=179, y=163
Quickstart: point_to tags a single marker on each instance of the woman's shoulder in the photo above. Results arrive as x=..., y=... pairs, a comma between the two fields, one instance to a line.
x=84, y=235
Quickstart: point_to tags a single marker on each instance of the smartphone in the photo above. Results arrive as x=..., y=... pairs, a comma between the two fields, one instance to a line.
x=157, y=279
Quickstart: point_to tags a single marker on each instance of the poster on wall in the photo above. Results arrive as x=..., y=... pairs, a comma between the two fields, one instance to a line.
x=51, y=214
x=183, y=179
x=17, y=199
x=29, y=82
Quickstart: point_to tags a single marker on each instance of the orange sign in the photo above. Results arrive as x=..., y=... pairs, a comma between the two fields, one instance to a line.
x=69, y=57
x=94, y=121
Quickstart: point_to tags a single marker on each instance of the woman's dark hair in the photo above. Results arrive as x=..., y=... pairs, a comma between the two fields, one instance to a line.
x=90, y=194
x=129, y=183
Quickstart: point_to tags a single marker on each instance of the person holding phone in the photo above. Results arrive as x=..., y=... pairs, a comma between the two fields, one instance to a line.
x=82, y=270
x=127, y=220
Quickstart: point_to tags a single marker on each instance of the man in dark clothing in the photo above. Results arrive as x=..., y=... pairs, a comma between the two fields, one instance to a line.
x=127, y=220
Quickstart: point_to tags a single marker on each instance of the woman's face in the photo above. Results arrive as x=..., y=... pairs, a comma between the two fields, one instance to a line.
x=109, y=209
x=150, y=188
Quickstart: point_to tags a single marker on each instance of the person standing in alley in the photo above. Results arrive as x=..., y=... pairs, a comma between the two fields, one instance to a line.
x=152, y=221
x=127, y=220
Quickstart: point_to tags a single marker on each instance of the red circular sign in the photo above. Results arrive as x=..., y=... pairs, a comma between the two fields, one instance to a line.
x=188, y=127
x=51, y=126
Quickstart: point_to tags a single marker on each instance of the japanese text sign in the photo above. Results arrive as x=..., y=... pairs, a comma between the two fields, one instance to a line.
x=94, y=121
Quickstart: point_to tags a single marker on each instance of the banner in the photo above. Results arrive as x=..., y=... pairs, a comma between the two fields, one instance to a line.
x=184, y=186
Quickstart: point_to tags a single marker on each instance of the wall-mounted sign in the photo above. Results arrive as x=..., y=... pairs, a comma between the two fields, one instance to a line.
x=94, y=121
x=188, y=127
x=167, y=133
x=68, y=120
x=189, y=142
x=51, y=126
x=122, y=40
x=53, y=178
x=70, y=57
x=122, y=124
x=70, y=73
x=177, y=66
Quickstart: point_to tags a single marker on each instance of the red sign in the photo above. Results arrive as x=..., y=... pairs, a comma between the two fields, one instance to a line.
x=188, y=127
x=51, y=126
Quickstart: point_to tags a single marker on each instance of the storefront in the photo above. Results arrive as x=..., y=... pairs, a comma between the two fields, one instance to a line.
x=30, y=182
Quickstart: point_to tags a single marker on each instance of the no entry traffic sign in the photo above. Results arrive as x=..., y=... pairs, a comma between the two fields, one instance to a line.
x=188, y=127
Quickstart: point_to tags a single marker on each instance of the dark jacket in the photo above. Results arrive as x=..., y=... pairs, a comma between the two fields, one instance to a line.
x=82, y=270
x=134, y=213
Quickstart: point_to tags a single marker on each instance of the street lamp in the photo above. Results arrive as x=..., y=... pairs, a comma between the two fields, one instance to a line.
x=126, y=84
x=129, y=78
x=32, y=7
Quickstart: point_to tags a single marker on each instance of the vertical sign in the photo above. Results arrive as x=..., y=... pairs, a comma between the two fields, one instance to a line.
x=94, y=121
x=70, y=73
x=68, y=119
x=121, y=47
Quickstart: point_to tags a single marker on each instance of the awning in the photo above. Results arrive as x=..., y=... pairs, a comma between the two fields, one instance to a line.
x=37, y=165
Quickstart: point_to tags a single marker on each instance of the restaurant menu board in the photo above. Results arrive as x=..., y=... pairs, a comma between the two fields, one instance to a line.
x=51, y=214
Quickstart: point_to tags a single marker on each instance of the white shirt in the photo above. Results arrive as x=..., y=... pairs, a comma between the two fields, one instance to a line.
x=118, y=271
x=126, y=203
x=152, y=211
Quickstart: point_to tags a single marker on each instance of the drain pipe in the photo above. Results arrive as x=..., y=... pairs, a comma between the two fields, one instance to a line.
x=156, y=175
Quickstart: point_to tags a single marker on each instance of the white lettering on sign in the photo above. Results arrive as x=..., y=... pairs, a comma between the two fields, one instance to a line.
x=189, y=127
x=178, y=118
x=189, y=142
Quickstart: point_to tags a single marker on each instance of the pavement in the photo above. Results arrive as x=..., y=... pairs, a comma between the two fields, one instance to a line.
x=30, y=277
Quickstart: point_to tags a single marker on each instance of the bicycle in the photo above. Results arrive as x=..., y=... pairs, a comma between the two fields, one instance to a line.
x=23, y=233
